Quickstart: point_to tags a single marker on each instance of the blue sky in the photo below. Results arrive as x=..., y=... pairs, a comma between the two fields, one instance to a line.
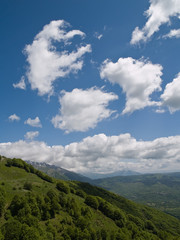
x=91, y=85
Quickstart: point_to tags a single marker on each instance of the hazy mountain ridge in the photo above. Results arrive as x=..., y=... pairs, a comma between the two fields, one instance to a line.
x=113, y=174
x=58, y=172
x=65, y=174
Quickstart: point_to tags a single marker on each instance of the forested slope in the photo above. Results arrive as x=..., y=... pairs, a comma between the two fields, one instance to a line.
x=161, y=191
x=36, y=206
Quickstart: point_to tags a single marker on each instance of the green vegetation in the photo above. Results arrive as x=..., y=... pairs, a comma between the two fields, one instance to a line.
x=34, y=206
x=28, y=168
x=161, y=191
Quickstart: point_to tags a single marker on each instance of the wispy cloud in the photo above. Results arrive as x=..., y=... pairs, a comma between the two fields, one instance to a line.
x=159, y=12
x=174, y=33
x=21, y=84
x=33, y=122
x=46, y=62
x=160, y=110
x=83, y=109
x=138, y=79
x=31, y=135
x=98, y=35
x=13, y=118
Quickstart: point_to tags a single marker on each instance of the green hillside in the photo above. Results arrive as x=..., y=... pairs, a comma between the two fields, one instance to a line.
x=161, y=191
x=36, y=206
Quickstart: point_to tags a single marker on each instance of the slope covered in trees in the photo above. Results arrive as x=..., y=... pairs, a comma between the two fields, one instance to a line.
x=161, y=191
x=36, y=206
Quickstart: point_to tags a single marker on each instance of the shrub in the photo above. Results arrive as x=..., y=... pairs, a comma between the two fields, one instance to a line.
x=28, y=186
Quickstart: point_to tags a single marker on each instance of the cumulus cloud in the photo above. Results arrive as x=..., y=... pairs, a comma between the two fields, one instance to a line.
x=102, y=154
x=13, y=118
x=31, y=135
x=83, y=109
x=138, y=79
x=171, y=96
x=174, y=33
x=21, y=84
x=33, y=122
x=47, y=62
x=159, y=12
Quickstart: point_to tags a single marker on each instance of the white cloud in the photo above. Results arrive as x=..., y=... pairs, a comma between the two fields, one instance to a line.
x=102, y=154
x=171, y=96
x=83, y=109
x=31, y=135
x=159, y=12
x=160, y=110
x=137, y=35
x=46, y=62
x=21, y=84
x=98, y=35
x=14, y=117
x=33, y=122
x=174, y=33
x=138, y=79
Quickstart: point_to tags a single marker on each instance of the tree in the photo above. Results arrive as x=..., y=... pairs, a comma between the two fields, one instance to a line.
x=150, y=226
x=27, y=186
x=44, y=176
x=17, y=203
x=51, y=229
x=1, y=236
x=62, y=187
x=82, y=223
x=104, y=234
x=80, y=193
x=29, y=233
x=92, y=201
x=106, y=209
x=9, y=162
x=12, y=230
x=32, y=202
x=2, y=201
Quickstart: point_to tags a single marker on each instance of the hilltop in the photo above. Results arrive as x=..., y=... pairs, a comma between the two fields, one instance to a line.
x=35, y=206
